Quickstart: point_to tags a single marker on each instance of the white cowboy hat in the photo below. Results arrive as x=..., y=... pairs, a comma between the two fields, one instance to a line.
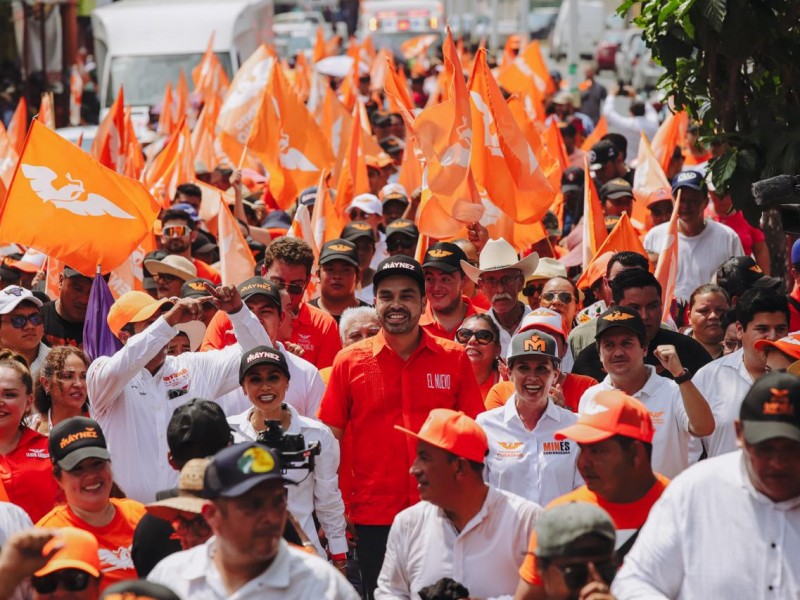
x=195, y=331
x=172, y=264
x=549, y=268
x=497, y=255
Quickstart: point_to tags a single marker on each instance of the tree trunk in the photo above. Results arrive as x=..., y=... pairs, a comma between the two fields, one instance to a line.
x=776, y=244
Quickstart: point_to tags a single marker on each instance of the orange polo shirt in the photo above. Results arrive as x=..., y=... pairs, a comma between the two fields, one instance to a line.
x=627, y=518
x=206, y=271
x=429, y=323
x=114, y=539
x=27, y=475
x=372, y=389
x=573, y=388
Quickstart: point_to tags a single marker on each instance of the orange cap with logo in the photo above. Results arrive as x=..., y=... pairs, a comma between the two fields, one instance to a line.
x=608, y=414
x=132, y=307
x=452, y=431
x=78, y=551
x=788, y=345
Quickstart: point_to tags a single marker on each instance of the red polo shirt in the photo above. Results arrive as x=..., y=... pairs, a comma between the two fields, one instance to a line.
x=27, y=475
x=372, y=389
x=429, y=323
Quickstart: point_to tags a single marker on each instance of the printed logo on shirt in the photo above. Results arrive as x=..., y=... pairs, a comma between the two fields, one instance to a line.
x=37, y=453
x=779, y=404
x=510, y=450
x=304, y=341
x=657, y=418
x=438, y=381
x=562, y=447
x=113, y=560
x=178, y=379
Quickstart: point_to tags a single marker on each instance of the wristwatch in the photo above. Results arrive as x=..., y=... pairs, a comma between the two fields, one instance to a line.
x=683, y=377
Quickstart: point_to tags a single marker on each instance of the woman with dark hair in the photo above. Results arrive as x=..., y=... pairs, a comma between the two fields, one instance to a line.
x=707, y=306
x=60, y=392
x=481, y=339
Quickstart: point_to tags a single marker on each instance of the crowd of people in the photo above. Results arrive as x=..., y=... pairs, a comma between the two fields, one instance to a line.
x=396, y=417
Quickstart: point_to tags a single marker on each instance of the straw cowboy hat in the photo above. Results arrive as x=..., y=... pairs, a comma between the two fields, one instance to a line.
x=172, y=264
x=497, y=255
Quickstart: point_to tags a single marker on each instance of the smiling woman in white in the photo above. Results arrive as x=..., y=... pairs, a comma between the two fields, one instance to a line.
x=264, y=376
x=524, y=456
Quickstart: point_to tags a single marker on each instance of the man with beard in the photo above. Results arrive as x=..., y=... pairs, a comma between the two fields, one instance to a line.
x=178, y=231
x=397, y=376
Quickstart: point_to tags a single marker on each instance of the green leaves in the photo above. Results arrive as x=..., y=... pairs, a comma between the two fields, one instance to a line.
x=714, y=11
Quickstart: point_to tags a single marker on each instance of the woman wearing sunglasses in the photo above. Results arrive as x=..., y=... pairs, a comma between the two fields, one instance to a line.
x=481, y=340
x=73, y=571
x=22, y=325
x=60, y=391
x=561, y=295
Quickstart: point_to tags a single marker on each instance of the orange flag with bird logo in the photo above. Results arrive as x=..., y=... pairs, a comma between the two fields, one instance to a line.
x=594, y=225
x=57, y=187
x=667, y=265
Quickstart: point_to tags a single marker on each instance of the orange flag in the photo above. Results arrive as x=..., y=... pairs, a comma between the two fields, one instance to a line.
x=166, y=124
x=594, y=226
x=671, y=133
x=203, y=134
x=8, y=158
x=528, y=66
x=129, y=276
x=397, y=94
x=209, y=206
x=236, y=260
x=555, y=144
x=416, y=47
x=598, y=132
x=172, y=166
x=18, y=125
x=109, y=145
x=133, y=161
x=502, y=161
x=302, y=77
x=335, y=122
x=353, y=178
x=56, y=188
x=667, y=265
x=180, y=102
x=320, y=51
x=326, y=221
x=241, y=103
x=52, y=284
x=208, y=76
x=288, y=141
x=549, y=164
x=648, y=179
x=623, y=237
x=75, y=95
x=47, y=112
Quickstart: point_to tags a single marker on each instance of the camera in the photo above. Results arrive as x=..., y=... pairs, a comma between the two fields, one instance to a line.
x=290, y=446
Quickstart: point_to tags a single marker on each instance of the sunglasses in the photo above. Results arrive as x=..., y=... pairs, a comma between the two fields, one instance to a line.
x=18, y=321
x=563, y=297
x=397, y=243
x=176, y=231
x=72, y=580
x=295, y=289
x=482, y=336
x=576, y=575
x=530, y=290
x=502, y=282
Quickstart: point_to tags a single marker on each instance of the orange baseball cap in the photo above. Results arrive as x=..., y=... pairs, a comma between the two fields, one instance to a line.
x=608, y=414
x=453, y=431
x=132, y=307
x=788, y=345
x=659, y=195
x=79, y=551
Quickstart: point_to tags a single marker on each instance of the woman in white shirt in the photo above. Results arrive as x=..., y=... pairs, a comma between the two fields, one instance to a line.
x=264, y=376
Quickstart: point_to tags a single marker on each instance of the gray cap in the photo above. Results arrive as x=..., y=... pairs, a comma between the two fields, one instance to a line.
x=559, y=527
x=534, y=343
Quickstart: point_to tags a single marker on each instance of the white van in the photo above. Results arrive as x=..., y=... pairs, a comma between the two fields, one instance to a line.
x=143, y=44
x=591, y=26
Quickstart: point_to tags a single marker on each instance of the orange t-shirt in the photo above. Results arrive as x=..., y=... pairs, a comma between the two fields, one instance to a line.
x=481, y=301
x=628, y=518
x=27, y=475
x=428, y=322
x=114, y=539
x=573, y=388
x=206, y=271
x=489, y=384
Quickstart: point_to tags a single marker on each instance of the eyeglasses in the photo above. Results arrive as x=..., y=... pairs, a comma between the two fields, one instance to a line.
x=294, y=289
x=482, y=336
x=502, y=282
x=176, y=231
x=563, y=297
x=72, y=580
x=530, y=290
x=18, y=321
x=732, y=345
x=576, y=575
x=397, y=242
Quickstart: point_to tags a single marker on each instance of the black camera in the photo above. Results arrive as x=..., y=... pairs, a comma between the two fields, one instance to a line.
x=290, y=446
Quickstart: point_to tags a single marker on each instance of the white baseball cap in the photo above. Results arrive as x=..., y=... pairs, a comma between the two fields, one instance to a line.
x=13, y=295
x=544, y=319
x=369, y=203
x=393, y=188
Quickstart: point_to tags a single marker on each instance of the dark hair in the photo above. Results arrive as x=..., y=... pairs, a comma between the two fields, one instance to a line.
x=626, y=443
x=292, y=251
x=760, y=300
x=729, y=317
x=484, y=318
x=188, y=189
x=629, y=260
x=619, y=142
x=708, y=288
x=632, y=278
x=476, y=467
x=16, y=362
x=176, y=214
x=52, y=365
x=637, y=108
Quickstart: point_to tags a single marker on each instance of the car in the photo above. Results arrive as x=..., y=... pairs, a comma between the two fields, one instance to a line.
x=630, y=49
x=607, y=49
x=541, y=22
x=646, y=72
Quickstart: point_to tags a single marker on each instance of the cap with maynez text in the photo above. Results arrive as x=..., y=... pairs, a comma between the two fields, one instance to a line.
x=339, y=249
x=263, y=355
x=771, y=409
x=444, y=256
x=534, y=343
x=620, y=316
x=452, y=431
x=263, y=286
x=562, y=525
x=399, y=265
x=607, y=414
x=237, y=469
x=76, y=439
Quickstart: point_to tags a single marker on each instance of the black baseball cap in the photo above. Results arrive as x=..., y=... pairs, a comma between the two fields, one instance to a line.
x=615, y=188
x=740, y=273
x=76, y=439
x=263, y=355
x=237, y=469
x=339, y=249
x=261, y=285
x=69, y=273
x=392, y=145
x=402, y=227
x=572, y=180
x=195, y=288
x=399, y=265
x=602, y=152
x=358, y=229
x=620, y=316
x=198, y=423
x=308, y=196
x=771, y=409
x=444, y=256
x=693, y=180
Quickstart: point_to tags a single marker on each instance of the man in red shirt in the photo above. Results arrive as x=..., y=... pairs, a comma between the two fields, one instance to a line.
x=444, y=290
x=178, y=231
x=394, y=378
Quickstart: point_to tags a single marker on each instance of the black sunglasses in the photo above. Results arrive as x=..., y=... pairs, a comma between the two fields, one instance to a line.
x=293, y=288
x=397, y=242
x=576, y=575
x=18, y=321
x=530, y=290
x=72, y=580
x=563, y=297
x=482, y=336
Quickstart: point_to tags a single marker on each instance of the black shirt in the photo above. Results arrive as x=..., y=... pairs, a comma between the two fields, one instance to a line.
x=690, y=351
x=315, y=304
x=58, y=331
x=152, y=541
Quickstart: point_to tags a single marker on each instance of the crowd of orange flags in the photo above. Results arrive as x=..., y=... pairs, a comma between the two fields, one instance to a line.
x=479, y=149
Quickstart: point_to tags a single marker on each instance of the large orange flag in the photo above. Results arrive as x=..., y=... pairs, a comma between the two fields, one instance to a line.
x=203, y=134
x=671, y=133
x=529, y=65
x=594, y=226
x=59, y=188
x=208, y=76
x=648, y=179
x=166, y=120
x=236, y=260
x=110, y=145
x=18, y=125
x=288, y=141
x=172, y=166
x=667, y=265
x=623, y=237
x=8, y=158
x=353, y=179
x=598, y=132
x=502, y=160
x=326, y=222
x=129, y=276
x=241, y=103
x=549, y=164
x=555, y=144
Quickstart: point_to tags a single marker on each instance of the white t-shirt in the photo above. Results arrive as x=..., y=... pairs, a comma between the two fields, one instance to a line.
x=700, y=256
x=664, y=402
x=505, y=335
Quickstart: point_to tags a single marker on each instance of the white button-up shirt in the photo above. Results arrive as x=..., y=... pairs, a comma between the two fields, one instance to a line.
x=304, y=394
x=315, y=492
x=712, y=535
x=663, y=400
x=505, y=335
x=532, y=464
x=134, y=406
x=724, y=383
x=293, y=575
x=485, y=556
